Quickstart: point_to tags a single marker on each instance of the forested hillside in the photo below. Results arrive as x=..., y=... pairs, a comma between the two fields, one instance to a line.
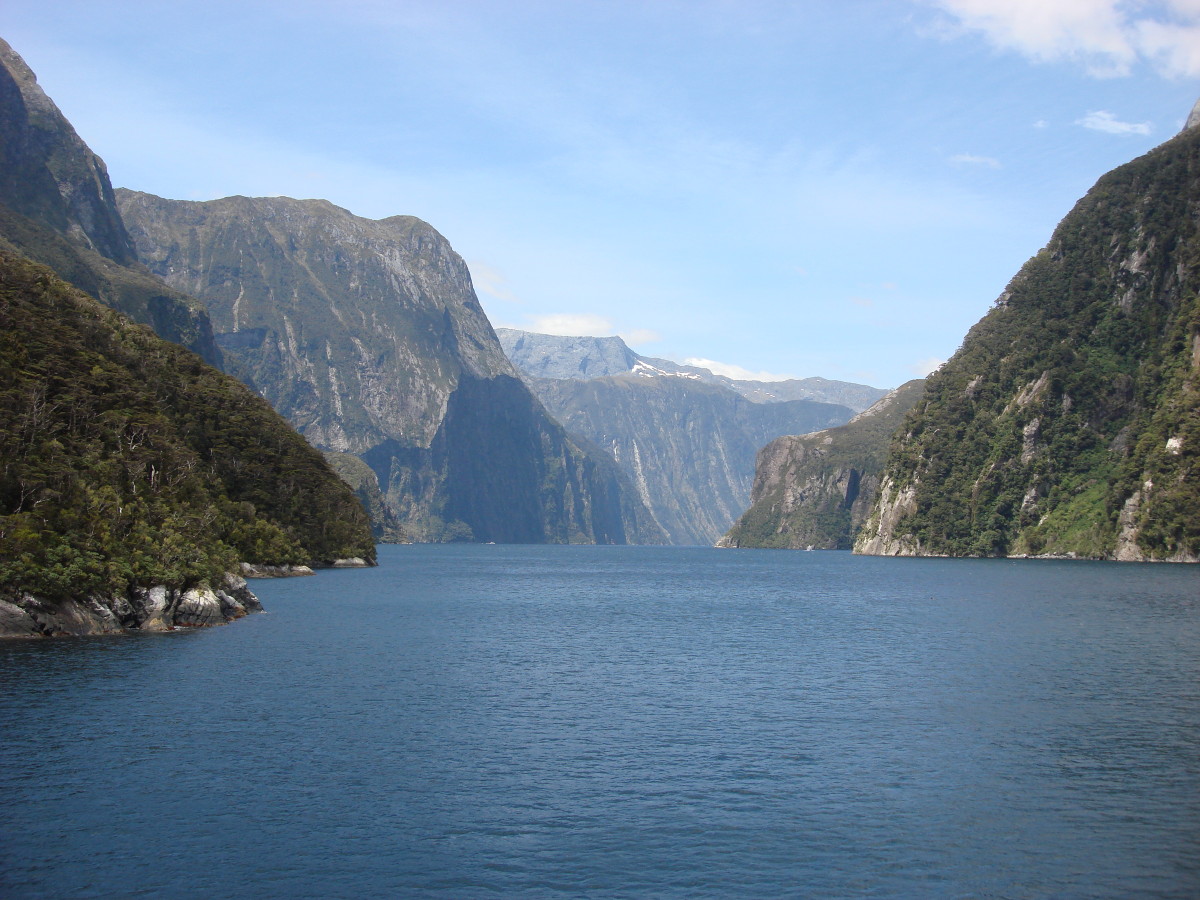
x=1068, y=423
x=126, y=462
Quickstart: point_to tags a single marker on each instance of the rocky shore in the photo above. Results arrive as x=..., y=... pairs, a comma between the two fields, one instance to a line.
x=154, y=609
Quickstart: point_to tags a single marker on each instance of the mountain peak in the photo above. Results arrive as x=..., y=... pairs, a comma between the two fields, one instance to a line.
x=1194, y=119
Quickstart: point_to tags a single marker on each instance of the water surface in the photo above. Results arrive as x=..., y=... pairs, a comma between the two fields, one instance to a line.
x=472, y=721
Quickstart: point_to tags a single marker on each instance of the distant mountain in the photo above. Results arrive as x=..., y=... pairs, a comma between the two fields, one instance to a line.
x=1069, y=421
x=57, y=207
x=688, y=446
x=814, y=491
x=135, y=478
x=555, y=356
x=368, y=337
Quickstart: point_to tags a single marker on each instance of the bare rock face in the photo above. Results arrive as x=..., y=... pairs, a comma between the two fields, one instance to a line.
x=1193, y=120
x=367, y=335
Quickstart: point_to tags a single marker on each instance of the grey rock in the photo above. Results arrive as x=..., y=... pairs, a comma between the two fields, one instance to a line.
x=255, y=570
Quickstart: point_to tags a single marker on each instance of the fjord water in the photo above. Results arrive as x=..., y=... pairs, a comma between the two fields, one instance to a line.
x=471, y=721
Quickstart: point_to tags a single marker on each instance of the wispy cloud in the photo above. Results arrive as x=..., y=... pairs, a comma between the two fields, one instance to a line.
x=639, y=336
x=1103, y=120
x=923, y=367
x=584, y=325
x=572, y=325
x=732, y=371
x=1106, y=37
x=970, y=159
x=491, y=281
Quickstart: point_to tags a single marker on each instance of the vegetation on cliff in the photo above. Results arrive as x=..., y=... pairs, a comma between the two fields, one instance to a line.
x=1068, y=422
x=126, y=461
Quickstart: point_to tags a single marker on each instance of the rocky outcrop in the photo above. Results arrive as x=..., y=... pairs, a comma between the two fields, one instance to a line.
x=136, y=611
x=57, y=207
x=687, y=446
x=815, y=491
x=539, y=356
x=368, y=337
x=1066, y=425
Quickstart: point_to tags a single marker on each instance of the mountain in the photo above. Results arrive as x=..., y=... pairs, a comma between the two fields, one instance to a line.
x=367, y=335
x=57, y=207
x=555, y=356
x=814, y=491
x=135, y=478
x=687, y=445
x=1068, y=422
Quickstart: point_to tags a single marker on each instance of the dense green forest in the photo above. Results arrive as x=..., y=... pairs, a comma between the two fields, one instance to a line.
x=1069, y=422
x=129, y=462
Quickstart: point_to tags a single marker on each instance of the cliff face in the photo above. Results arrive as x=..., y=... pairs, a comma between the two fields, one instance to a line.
x=816, y=490
x=1068, y=422
x=688, y=446
x=57, y=207
x=135, y=477
x=368, y=337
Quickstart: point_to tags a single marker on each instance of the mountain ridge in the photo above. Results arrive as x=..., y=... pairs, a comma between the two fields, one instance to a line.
x=582, y=357
x=367, y=335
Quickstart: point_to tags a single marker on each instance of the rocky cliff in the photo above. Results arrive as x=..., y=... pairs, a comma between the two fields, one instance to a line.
x=814, y=491
x=556, y=356
x=368, y=337
x=688, y=446
x=1068, y=423
x=57, y=207
x=134, y=478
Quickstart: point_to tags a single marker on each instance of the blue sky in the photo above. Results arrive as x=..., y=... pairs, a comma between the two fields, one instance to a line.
x=836, y=187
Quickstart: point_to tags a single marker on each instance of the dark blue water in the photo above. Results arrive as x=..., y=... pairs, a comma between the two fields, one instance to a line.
x=471, y=721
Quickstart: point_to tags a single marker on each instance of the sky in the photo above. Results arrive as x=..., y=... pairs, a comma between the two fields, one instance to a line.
x=773, y=189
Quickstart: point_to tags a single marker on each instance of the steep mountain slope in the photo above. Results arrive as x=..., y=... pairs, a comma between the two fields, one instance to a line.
x=368, y=337
x=134, y=476
x=687, y=445
x=816, y=490
x=555, y=356
x=57, y=207
x=1068, y=422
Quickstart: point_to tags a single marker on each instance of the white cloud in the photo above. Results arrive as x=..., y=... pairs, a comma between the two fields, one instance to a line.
x=1106, y=37
x=571, y=325
x=968, y=159
x=1041, y=123
x=491, y=281
x=1103, y=120
x=639, y=336
x=731, y=371
x=923, y=367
